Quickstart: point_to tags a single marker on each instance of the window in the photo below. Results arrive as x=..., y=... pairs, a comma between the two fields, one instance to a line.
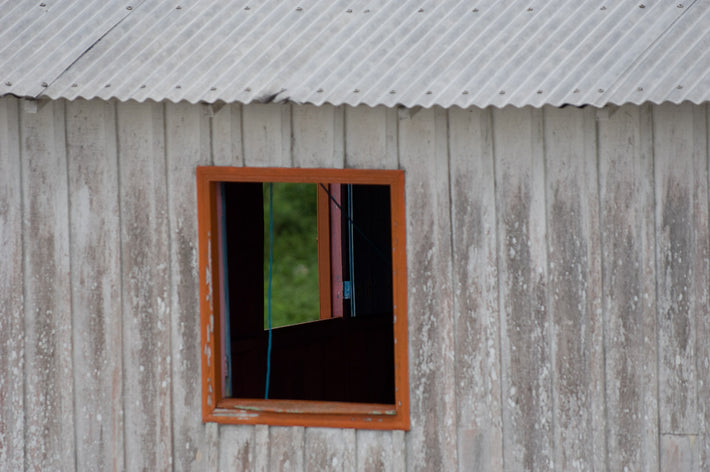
x=319, y=253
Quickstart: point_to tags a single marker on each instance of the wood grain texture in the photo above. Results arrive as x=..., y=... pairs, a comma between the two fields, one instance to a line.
x=267, y=135
x=49, y=389
x=574, y=283
x=371, y=138
x=226, y=136
x=431, y=443
x=680, y=164
x=629, y=295
x=477, y=329
x=12, y=314
x=702, y=326
x=187, y=145
x=95, y=283
x=287, y=445
x=330, y=449
x=145, y=255
x=237, y=448
x=525, y=319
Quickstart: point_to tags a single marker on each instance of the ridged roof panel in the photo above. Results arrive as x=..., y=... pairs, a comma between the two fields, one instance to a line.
x=411, y=53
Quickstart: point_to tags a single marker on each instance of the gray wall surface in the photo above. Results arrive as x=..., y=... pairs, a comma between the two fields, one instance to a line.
x=558, y=275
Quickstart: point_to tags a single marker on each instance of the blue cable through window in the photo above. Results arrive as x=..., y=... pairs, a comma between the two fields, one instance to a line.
x=268, y=299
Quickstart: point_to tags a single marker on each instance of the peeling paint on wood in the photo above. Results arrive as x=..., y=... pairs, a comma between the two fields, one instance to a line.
x=477, y=328
x=431, y=444
x=145, y=260
x=49, y=374
x=629, y=295
x=12, y=314
x=96, y=284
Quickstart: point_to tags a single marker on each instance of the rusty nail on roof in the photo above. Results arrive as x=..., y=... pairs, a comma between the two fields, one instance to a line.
x=247, y=7
x=530, y=9
x=642, y=6
x=248, y=89
x=575, y=91
x=640, y=89
x=44, y=84
x=356, y=91
x=475, y=10
x=465, y=92
x=393, y=91
x=600, y=90
x=8, y=83
x=366, y=11
x=349, y=10
x=212, y=89
x=320, y=90
x=74, y=85
x=539, y=92
x=43, y=4
x=680, y=5
x=679, y=87
x=502, y=92
x=129, y=7
x=299, y=9
x=178, y=86
x=428, y=92
x=178, y=7
x=142, y=86
x=107, y=85
x=420, y=10
x=603, y=8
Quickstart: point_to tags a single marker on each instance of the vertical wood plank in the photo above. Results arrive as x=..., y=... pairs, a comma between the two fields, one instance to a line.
x=431, y=443
x=145, y=283
x=629, y=296
x=267, y=135
x=227, y=143
x=476, y=309
x=237, y=448
x=575, y=289
x=680, y=165
x=525, y=320
x=96, y=283
x=370, y=143
x=317, y=136
x=267, y=142
x=12, y=406
x=371, y=138
x=702, y=326
x=318, y=142
x=188, y=145
x=49, y=393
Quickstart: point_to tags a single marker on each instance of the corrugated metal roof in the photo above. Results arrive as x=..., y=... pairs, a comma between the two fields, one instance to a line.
x=411, y=53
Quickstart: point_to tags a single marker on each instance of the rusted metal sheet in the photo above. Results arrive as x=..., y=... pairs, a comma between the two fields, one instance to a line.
x=629, y=286
x=476, y=309
x=96, y=283
x=12, y=314
x=431, y=444
x=145, y=263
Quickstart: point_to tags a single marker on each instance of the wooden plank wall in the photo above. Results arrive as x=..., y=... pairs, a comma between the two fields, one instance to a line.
x=558, y=272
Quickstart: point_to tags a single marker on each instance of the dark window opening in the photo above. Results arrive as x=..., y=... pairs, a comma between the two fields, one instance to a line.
x=331, y=297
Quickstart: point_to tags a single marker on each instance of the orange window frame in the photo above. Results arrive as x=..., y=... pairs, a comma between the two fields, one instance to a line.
x=217, y=408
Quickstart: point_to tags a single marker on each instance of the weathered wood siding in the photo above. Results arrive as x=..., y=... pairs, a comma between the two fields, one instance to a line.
x=558, y=272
